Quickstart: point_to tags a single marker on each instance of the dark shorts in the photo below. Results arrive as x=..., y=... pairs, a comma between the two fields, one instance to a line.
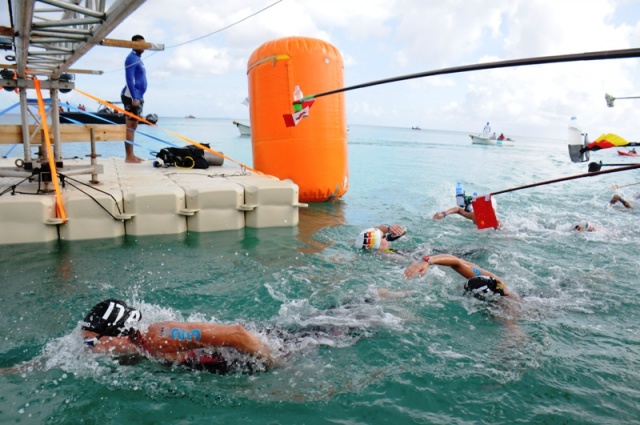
x=127, y=102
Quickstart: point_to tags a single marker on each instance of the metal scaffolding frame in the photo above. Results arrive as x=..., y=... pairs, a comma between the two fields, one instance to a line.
x=50, y=36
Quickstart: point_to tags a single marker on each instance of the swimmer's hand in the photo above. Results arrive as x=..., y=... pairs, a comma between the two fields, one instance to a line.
x=439, y=215
x=419, y=269
x=396, y=230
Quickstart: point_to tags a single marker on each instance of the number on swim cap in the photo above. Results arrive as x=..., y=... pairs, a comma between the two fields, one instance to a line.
x=111, y=317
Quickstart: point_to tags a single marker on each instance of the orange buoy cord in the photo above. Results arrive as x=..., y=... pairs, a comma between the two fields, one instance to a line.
x=186, y=139
x=60, y=211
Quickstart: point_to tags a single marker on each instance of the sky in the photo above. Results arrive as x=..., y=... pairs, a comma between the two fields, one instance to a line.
x=203, y=69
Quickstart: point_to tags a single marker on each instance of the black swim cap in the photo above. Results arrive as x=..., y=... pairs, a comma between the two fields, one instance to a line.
x=483, y=284
x=111, y=317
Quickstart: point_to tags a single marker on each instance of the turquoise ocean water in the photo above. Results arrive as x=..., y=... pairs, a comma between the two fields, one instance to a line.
x=570, y=354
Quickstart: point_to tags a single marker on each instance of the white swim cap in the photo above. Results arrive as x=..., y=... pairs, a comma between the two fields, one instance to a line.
x=369, y=238
x=582, y=226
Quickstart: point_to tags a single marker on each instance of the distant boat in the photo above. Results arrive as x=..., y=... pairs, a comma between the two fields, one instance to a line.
x=416, y=128
x=244, y=129
x=102, y=115
x=485, y=139
x=189, y=116
x=628, y=153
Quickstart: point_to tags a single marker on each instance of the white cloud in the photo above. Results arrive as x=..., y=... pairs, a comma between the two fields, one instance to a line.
x=380, y=39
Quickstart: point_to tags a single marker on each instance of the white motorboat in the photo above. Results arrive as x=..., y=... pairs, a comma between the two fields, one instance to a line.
x=485, y=139
x=244, y=129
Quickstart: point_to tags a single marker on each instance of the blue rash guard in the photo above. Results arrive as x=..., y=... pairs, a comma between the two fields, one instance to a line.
x=136, y=77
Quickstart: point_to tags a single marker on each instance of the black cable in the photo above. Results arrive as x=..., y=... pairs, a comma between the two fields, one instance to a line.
x=561, y=179
x=11, y=14
x=91, y=197
x=206, y=35
x=224, y=28
x=541, y=60
x=13, y=187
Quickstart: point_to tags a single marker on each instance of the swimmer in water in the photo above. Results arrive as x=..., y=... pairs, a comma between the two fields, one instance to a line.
x=110, y=328
x=479, y=282
x=618, y=198
x=379, y=237
x=584, y=226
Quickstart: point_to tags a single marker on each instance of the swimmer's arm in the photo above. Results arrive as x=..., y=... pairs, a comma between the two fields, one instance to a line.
x=462, y=267
x=104, y=345
x=36, y=363
x=442, y=214
x=508, y=292
x=420, y=268
x=455, y=210
x=210, y=336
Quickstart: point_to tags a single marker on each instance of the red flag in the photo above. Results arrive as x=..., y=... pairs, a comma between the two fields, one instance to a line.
x=291, y=120
x=484, y=212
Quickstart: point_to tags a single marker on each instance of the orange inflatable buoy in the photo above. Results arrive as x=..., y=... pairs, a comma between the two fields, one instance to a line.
x=313, y=154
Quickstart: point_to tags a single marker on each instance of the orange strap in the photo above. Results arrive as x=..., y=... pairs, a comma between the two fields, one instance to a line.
x=61, y=213
x=186, y=139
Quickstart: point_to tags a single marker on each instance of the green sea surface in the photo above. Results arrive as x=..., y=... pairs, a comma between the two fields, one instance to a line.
x=569, y=353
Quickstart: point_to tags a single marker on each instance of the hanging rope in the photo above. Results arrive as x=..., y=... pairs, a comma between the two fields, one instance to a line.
x=61, y=213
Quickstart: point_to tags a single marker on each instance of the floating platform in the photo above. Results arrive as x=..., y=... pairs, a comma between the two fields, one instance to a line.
x=139, y=200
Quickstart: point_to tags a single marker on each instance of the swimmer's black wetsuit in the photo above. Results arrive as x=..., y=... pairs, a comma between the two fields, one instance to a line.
x=208, y=360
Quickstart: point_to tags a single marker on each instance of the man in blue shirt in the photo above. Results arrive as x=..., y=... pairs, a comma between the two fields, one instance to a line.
x=133, y=95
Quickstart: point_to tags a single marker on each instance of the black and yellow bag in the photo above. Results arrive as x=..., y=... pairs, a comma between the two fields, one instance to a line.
x=185, y=157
